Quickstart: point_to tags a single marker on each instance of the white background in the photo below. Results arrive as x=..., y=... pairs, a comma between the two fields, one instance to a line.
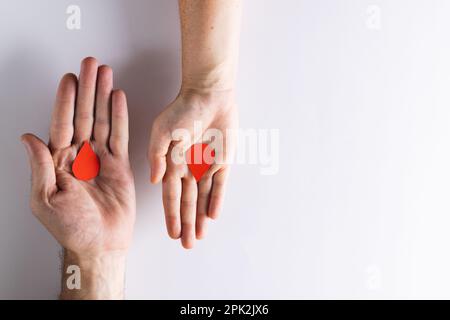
x=360, y=207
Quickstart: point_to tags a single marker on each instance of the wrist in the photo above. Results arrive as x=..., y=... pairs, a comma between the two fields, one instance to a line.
x=207, y=97
x=216, y=77
x=93, y=277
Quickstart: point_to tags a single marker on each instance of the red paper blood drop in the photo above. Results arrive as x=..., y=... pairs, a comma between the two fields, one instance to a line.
x=199, y=159
x=86, y=165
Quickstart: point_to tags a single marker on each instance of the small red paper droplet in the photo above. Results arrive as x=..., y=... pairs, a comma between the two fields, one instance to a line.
x=199, y=159
x=86, y=165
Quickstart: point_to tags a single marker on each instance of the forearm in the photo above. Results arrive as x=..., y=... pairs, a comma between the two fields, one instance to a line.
x=210, y=43
x=100, y=277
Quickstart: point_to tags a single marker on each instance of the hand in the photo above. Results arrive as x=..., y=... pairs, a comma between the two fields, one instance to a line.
x=188, y=204
x=93, y=220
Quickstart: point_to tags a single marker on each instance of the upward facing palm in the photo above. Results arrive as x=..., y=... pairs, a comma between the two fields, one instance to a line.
x=85, y=216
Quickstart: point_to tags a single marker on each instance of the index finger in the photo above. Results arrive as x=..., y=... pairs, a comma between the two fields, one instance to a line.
x=61, y=127
x=118, y=139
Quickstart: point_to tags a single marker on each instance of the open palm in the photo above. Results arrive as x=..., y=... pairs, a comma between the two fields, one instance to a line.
x=86, y=217
x=187, y=203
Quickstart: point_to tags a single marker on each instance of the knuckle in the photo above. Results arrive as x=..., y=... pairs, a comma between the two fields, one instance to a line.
x=215, y=197
x=201, y=213
x=85, y=115
x=218, y=183
x=171, y=217
x=61, y=125
x=101, y=121
x=171, y=197
x=203, y=194
x=189, y=203
x=188, y=224
x=171, y=194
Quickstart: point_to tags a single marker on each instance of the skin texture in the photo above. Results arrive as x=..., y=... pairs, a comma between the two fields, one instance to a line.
x=93, y=220
x=210, y=39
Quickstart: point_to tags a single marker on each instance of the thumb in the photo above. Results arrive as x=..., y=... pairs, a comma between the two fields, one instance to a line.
x=41, y=163
x=157, y=151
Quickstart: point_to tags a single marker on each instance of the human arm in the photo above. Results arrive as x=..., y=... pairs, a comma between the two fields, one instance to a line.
x=92, y=220
x=210, y=44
